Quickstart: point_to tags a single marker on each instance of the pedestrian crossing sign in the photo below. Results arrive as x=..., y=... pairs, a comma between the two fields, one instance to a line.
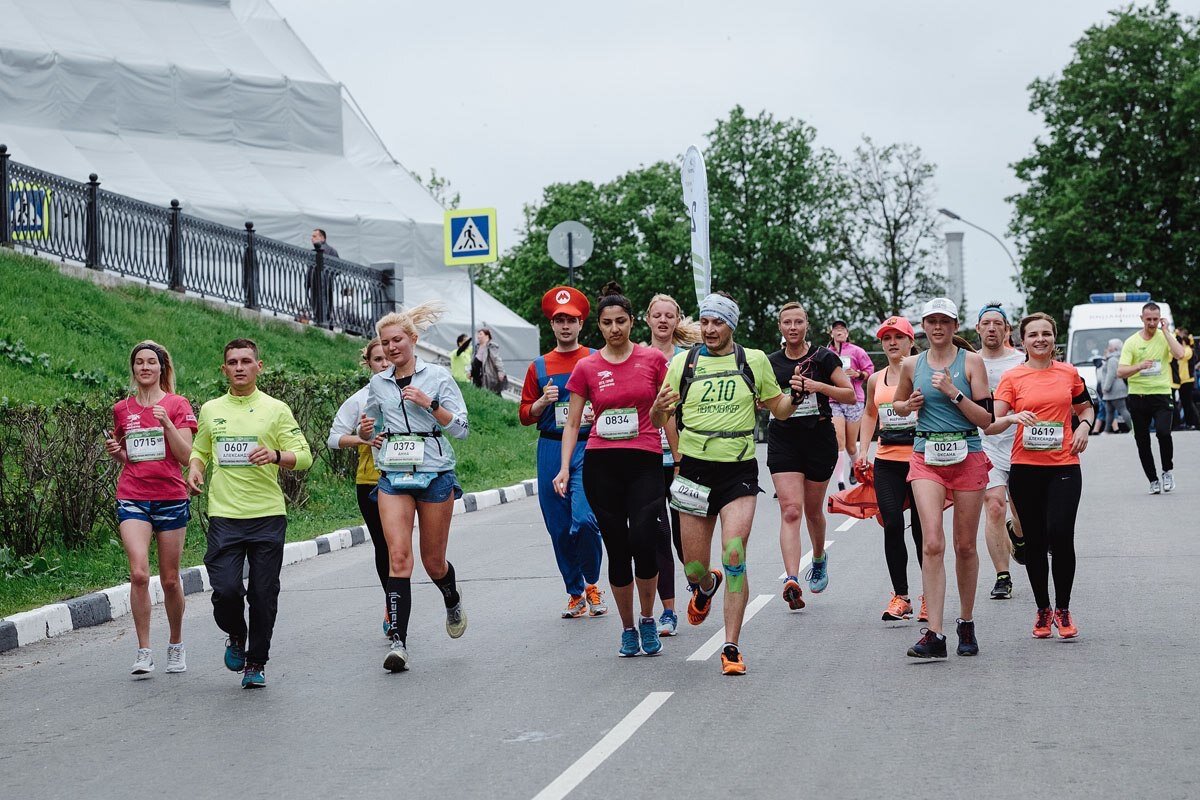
x=29, y=210
x=470, y=236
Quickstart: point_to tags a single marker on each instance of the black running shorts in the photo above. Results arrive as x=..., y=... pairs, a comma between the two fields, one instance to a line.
x=813, y=452
x=726, y=481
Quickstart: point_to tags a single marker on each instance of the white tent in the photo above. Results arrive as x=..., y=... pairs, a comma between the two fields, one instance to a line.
x=219, y=104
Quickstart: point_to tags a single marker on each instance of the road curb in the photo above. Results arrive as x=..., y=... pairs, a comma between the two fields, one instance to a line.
x=109, y=604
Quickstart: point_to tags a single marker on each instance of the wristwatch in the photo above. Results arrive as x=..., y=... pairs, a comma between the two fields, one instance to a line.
x=434, y=405
x=958, y=398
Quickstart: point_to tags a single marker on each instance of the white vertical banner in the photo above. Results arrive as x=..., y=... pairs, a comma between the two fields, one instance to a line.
x=695, y=197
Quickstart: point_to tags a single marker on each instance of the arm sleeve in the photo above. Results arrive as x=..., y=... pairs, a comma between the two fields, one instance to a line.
x=530, y=392
x=289, y=437
x=202, y=441
x=452, y=400
x=344, y=422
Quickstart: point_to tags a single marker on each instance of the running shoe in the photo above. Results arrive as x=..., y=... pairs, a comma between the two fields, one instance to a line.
x=648, y=632
x=930, y=645
x=1065, y=624
x=1155, y=487
x=176, y=661
x=253, y=677
x=731, y=660
x=397, y=657
x=595, y=600
x=967, y=644
x=1042, y=624
x=1017, y=542
x=630, y=646
x=701, y=603
x=818, y=575
x=576, y=607
x=456, y=619
x=1168, y=482
x=144, y=663
x=668, y=623
x=235, y=655
x=792, y=595
x=899, y=608
x=1003, y=588
x=923, y=614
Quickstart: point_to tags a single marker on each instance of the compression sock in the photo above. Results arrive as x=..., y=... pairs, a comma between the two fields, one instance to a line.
x=446, y=585
x=399, y=595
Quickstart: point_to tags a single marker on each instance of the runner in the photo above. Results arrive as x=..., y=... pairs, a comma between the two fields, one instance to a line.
x=847, y=417
x=246, y=437
x=343, y=434
x=1046, y=481
x=947, y=387
x=670, y=334
x=712, y=389
x=1000, y=533
x=1144, y=359
x=892, y=457
x=412, y=407
x=151, y=439
x=622, y=465
x=802, y=449
x=569, y=520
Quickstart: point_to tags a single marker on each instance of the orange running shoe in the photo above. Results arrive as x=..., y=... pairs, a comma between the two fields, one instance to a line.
x=1042, y=624
x=899, y=608
x=701, y=603
x=731, y=661
x=595, y=601
x=1064, y=623
x=793, y=596
x=576, y=607
x=923, y=614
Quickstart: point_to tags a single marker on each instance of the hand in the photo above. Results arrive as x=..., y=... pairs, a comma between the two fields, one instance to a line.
x=195, y=479
x=163, y=417
x=549, y=394
x=860, y=462
x=1025, y=418
x=853, y=374
x=113, y=447
x=261, y=456
x=561, y=481
x=1079, y=439
x=799, y=383
x=1147, y=364
x=415, y=396
x=666, y=401
x=366, y=428
x=944, y=383
x=916, y=401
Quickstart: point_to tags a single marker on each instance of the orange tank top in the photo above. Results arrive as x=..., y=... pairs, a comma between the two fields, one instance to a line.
x=884, y=396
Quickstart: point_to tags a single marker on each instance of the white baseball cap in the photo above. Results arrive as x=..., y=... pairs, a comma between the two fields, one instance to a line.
x=940, y=305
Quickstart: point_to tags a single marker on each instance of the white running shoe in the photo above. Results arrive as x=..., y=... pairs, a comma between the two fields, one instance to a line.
x=1168, y=481
x=397, y=657
x=1155, y=487
x=176, y=662
x=144, y=663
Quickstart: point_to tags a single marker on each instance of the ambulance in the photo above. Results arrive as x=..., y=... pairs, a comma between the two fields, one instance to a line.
x=1115, y=315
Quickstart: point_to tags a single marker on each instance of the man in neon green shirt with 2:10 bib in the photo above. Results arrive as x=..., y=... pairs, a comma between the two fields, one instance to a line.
x=246, y=437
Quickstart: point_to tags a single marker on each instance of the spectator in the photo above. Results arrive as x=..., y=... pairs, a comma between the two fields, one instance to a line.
x=319, y=243
x=487, y=369
x=1114, y=389
x=319, y=238
x=1181, y=382
x=460, y=359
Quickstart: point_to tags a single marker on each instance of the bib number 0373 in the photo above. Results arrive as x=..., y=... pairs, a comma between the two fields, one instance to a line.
x=402, y=451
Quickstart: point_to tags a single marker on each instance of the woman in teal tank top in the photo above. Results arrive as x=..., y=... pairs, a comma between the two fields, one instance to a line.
x=947, y=386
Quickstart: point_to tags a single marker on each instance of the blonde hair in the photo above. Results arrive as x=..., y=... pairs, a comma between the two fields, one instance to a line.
x=687, y=331
x=413, y=321
x=166, y=374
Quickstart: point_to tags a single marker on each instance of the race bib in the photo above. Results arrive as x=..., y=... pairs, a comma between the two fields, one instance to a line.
x=890, y=420
x=402, y=451
x=560, y=414
x=618, y=424
x=146, y=444
x=1043, y=436
x=689, y=497
x=1155, y=368
x=945, y=449
x=807, y=407
x=847, y=362
x=234, y=451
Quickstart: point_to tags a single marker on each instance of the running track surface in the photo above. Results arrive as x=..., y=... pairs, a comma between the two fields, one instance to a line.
x=528, y=705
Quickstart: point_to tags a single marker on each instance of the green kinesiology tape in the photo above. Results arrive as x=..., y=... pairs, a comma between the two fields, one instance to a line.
x=733, y=557
x=695, y=571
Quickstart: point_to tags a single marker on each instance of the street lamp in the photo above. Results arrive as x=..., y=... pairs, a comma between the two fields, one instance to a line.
x=1016, y=270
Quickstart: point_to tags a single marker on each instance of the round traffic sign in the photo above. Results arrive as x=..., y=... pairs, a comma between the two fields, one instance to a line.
x=570, y=244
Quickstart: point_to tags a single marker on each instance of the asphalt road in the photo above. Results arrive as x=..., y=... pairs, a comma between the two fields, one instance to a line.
x=527, y=703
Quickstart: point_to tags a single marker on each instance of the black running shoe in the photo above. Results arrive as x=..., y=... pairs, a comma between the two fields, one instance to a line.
x=1003, y=588
x=967, y=644
x=1018, y=542
x=930, y=646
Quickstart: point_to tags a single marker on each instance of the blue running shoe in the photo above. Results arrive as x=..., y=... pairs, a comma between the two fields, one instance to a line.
x=648, y=630
x=818, y=575
x=253, y=677
x=668, y=623
x=630, y=646
x=235, y=655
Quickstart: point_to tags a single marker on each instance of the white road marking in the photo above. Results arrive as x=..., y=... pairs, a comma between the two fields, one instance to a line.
x=847, y=525
x=575, y=774
x=707, y=649
x=806, y=559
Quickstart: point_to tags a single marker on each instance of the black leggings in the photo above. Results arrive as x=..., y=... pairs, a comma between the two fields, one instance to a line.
x=891, y=490
x=668, y=532
x=624, y=488
x=1046, y=500
x=1157, y=407
x=370, y=514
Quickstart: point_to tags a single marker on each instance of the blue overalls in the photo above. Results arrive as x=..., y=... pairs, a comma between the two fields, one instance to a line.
x=569, y=520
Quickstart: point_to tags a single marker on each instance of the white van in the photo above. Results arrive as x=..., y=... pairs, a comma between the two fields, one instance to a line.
x=1117, y=315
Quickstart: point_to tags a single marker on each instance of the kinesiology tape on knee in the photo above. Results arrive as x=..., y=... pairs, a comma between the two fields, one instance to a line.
x=695, y=572
x=733, y=558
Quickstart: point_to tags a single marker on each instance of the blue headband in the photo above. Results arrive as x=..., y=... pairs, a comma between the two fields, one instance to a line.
x=997, y=309
x=722, y=308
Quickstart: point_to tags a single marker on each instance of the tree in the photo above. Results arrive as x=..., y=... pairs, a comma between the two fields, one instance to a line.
x=888, y=243
x=1111, y=200
x=440, y=188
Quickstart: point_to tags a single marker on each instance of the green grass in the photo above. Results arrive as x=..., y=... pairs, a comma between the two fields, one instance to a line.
x=85, y=327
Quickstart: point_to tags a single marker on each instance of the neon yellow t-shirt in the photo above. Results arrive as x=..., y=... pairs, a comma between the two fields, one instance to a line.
x=1157, y=379
x=721, y=404
x=229, y=427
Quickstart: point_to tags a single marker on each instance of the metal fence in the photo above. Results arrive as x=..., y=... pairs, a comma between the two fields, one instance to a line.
x=103, y=230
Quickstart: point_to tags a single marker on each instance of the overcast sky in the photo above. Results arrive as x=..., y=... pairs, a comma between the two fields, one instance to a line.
x=505, y=98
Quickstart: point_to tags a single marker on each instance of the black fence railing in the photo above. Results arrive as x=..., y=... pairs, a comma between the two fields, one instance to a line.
x=103, y=230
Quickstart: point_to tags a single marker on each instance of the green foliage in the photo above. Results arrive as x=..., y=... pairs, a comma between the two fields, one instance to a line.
x=1110, y=200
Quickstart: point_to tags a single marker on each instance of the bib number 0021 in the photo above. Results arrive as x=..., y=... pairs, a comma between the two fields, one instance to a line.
x=945, y=449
